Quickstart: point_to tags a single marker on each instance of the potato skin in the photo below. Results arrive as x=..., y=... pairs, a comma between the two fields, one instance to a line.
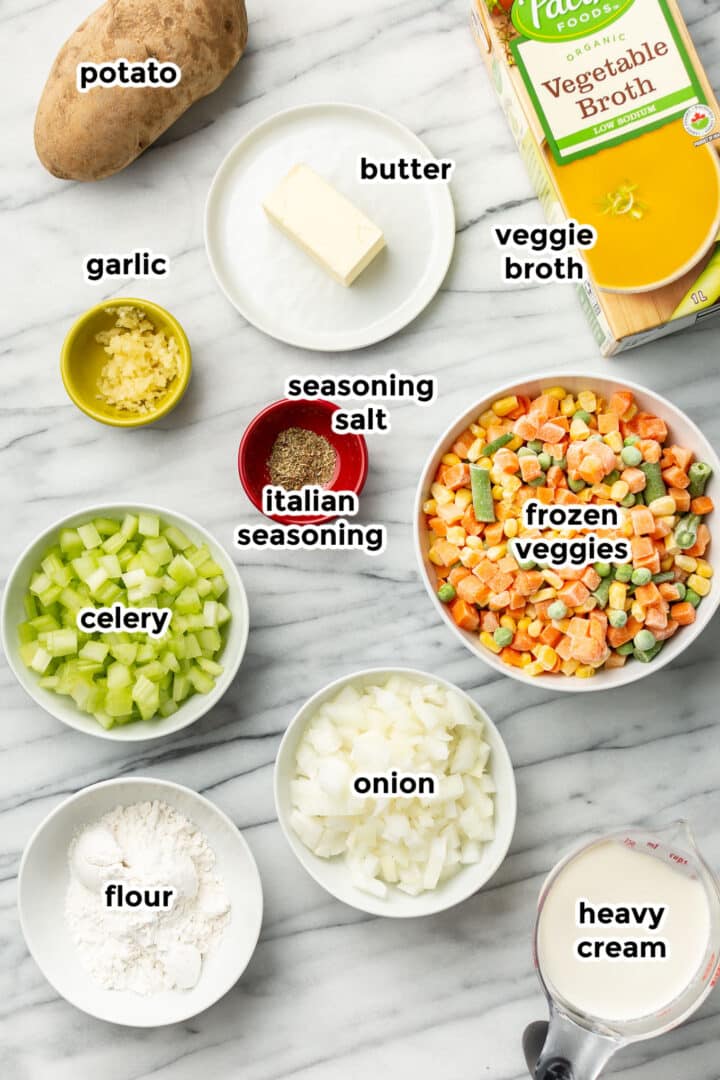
x=91, y=136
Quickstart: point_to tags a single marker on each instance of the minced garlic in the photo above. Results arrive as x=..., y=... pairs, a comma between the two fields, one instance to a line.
x=143, y=362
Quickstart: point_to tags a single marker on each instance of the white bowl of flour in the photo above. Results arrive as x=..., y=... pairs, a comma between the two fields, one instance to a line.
x=187, y=941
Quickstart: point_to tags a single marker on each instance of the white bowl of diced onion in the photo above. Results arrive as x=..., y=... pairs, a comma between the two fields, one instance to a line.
x=63, y=708
x=443, y=867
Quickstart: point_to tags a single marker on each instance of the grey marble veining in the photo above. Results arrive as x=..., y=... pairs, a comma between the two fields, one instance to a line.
x=330, y=993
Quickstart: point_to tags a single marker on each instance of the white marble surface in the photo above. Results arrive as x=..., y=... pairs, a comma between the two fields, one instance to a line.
x=329, y=993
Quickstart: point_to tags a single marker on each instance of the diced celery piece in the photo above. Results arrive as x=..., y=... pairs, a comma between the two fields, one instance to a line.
x=170, y=661
x=210, y=569
x=61, y=642
x=57, y=571
x=210, y=641
x=103, y=719
x=145, y=653
x=200, y=680
x=188, y=601
x=171, y=586
x=142, y=561
x=106, y=526
x=48, y=598
x=181, y=687
x=125, y=653
x=44, y=623
x=89, y=535
x=191, y=647
x=49, y=682
x=158, y=549
x=168, y=708
x=70, y=542
x=146, y=696
x=97, y=579
x=26, y=633
x=223, y=615
x=129, y=526
x=111, y=566
x=39, y=583
x=41, y=659
x=177, y=538
x=72, y=599
x=118, y=675
x=209, y=666
x=148, y=524
x=85, y=566
x=85, y=695
x=219, y=587
x=153, y=671
x=210, y=613
x=114, y=544
x=94, y=650
x=109, y=593
x=182, y=570
x=30, y=606
x=119, y=702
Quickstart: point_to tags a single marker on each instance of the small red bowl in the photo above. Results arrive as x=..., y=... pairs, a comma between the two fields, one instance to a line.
x=314, y=415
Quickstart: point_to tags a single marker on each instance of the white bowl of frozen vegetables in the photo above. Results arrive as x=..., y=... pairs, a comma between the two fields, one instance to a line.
x=120, y=683
x=406, y=855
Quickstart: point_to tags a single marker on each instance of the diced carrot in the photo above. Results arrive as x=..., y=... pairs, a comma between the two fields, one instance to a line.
x=656, y=617
x=528, y=582
x=470, y=557
x=511, y=656
x=463, y=444
x=530, y=468
x=506, y=461
x=523, y=404
x=643, y=521
x=517, y=601
x=669, y=591
x=550, y=636
x=590, y=578
x=608, y=422
x=457, y=476
x=619, y=635
x=556, y=477
x=566, y=497
x=450, y=513
x=464, y=615
x=472, y=590
x=702, y=504
x=470, y=523
x=573, y=593
x=662, y=529
x=703, y=539
x=494, y=533
x=438, y=526
x=498, y=601
x=457, y=574
x=682, y=498
x=578, y=627
x=634, y=478
x=675, y=477
x=588, y=650
x=551, y=433
x=447, y=553
x=564, y=648
x=651, y=427
x=522, y=641
x=663, y=635
x=650, y=449
x=500, y=582
x=526, y=428
x=489, y=621
x=620, y=402
x=592, y=469
x=642, y=547
x=485, y=570
x=507, y=564
x=544, y=407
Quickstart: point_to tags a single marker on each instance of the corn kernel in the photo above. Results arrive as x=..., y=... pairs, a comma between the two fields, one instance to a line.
x=450, y=459
x=603, y=491
x=667, y=563
x=475, y=450
x=619, y=490
x=585, y=671
x=497, y=491
x=631, y=413
x=484, y=463
x=435, y=558
x=524, y=623
x=512, y=484
x=525, y=659
x=463, y=498
x=508, y=622
x=686, y=563
x=443, y=496
x=546, y=656
x=487, y=418
x=552, y=579
x=558, y=392
x=617, y=595
x=567, y=405
x=637, y=611
x=587, y=401
x=515, y=443
x=456, y=535
x=579, y=429
x=490, y=643
x=505, y=405
x=535, y=628
x=430, y=507
x=475, y=542
x=569, y=667
x=496, y=552
x=510, y=527
x=704, y=569
x=614, y=440
x=699, y=584
x=534, y=668
x=478, y=431
x=662, y=506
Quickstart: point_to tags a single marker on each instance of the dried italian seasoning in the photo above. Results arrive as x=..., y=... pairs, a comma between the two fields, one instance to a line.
x=301, y=457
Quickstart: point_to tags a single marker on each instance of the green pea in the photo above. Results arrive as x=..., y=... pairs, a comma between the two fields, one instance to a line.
x=692, y=597
x=545, y=460
x=644, y=640
x=603, y=569
x=525, y=451
x=561, y=462
x=630, y=440
x=535, y=445
x=624, y=573
x=617, y=618
x=557, y=610
x=612, y=477
x=631, y=455
x=626, y=649
x=581, y=414
x=538, y=481
x=576, y=485
x=503, y=636
x=446, y=593
x=628, y=501
x=526, y=564
x=641, y=576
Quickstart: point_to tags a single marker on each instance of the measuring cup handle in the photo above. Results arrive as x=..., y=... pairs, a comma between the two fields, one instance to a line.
x=554, y=1069
x=563, y=1050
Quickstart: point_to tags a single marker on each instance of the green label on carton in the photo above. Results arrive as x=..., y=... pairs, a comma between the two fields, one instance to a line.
x=565, y=20
x=600, y=72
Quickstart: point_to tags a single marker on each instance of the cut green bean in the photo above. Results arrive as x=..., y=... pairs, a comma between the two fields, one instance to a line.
x=481, y=487
x=654, y=483
x=699, y=473
x=686, y=531
x=496, y=444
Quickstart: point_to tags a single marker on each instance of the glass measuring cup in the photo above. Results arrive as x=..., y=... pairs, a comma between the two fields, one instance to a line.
x=577, y=1046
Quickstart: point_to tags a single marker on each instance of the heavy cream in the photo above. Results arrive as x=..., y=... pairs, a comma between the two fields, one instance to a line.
x=622, y=933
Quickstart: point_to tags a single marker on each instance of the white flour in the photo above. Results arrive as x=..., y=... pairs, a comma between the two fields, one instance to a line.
x=146, y=845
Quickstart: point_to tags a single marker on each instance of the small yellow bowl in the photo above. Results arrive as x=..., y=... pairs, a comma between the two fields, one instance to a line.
x=82, y=359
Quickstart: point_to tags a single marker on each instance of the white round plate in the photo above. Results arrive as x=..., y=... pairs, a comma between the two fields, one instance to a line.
x=278, y=287
x=43, y=881
x=333, y=874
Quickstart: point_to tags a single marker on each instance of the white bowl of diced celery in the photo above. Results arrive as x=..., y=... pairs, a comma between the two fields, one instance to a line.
x=115, y=683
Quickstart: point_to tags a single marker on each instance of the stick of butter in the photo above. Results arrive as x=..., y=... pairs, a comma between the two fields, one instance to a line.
x=324, y=224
